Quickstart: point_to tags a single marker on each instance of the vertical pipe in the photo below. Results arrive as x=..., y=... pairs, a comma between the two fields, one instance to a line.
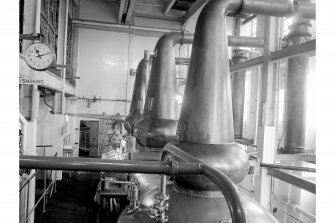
x=38, y=16
x=297, y=71
x=162, y=186
x=238, y=91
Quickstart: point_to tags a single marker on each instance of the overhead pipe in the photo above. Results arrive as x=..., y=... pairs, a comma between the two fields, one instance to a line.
x=140, y=89
x=279, y=8
x=131, y=166
x=159, y=124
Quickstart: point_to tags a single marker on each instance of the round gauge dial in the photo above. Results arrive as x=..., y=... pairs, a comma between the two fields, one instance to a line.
x=39, y=56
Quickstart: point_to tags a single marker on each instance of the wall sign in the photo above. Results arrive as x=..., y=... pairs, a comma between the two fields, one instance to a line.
x=27, y=80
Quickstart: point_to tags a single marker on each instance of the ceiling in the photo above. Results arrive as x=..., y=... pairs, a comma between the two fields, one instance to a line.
x=175, y=10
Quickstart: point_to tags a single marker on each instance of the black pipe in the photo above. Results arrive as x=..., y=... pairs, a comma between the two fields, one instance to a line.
x=107, y=165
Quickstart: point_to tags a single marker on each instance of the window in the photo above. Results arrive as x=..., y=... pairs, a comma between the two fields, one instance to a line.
x=254, y=27
x=286, y=23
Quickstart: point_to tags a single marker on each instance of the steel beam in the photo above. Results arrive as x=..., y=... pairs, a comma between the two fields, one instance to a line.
x=304, y=48
x=130, y=10
x=197, y=6
x=247, y=64
x=121, y=9
x=293, y=180
x=287, y=167
x=297, y=157
x=168, y=6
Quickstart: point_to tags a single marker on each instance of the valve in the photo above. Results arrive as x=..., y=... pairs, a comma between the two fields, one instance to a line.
x=161, y=205
x=133, y=192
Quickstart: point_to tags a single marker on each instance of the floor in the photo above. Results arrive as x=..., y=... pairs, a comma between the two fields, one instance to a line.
x=73, y=202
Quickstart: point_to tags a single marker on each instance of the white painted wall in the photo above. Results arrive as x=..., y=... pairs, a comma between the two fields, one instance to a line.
x=104, y=11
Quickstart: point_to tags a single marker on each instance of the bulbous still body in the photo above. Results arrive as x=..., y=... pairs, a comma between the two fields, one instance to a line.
x=183, y=208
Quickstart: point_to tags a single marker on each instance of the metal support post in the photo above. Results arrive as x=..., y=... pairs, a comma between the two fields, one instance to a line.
x=266, y=139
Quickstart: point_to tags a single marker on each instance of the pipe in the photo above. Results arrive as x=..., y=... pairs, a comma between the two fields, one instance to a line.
x=296, y=94
x=227, y=187
x=160, y=111
x=107, y=165
x=279, y=8
x=245, y=41
x=287, y=167
x=238, y=90
x=37, y=16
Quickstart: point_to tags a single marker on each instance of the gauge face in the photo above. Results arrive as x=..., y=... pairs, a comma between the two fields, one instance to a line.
x=39, y=56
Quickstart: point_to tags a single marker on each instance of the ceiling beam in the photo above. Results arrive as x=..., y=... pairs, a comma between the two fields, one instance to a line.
x=130, y=10
x=197, y=6
x=169, y=6
x=121, y=9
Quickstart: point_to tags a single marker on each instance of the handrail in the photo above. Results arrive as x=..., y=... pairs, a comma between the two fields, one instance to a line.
x=287, y=167
x=28, y=180
x=45, y=190
x=226, y=185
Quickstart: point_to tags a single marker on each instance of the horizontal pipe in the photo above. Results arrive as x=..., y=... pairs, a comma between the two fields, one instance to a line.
x=280, y=8
x=245, y=41
x=182, y=61
x=106, y=165
x=287, y=167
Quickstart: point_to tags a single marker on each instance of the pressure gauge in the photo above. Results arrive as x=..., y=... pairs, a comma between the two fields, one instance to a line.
x=39, y=56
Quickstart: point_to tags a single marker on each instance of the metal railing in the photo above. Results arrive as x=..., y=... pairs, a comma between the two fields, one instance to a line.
x=288, y=207
x=47, y=190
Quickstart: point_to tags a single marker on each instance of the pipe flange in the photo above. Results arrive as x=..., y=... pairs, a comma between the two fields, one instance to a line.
x=174, y=167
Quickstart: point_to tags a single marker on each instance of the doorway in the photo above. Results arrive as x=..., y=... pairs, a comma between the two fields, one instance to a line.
x=88, y=138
